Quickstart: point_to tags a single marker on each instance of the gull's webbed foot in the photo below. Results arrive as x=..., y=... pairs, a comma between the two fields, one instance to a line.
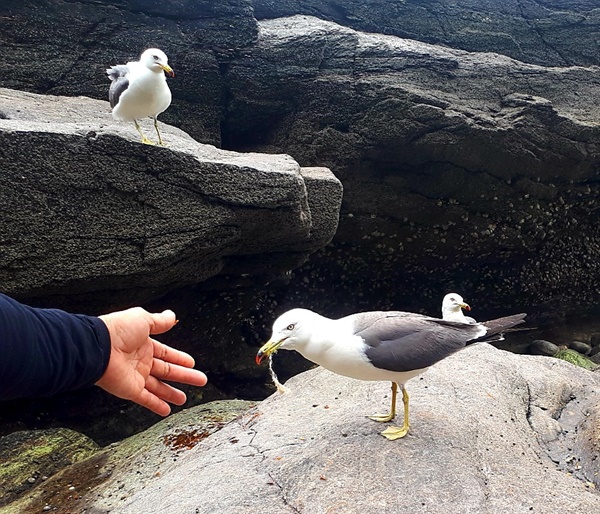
x=382, y=418
x=393, y=433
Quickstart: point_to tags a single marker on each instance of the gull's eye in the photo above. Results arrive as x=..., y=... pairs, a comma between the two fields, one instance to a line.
x=290, y=326
x=155, y=57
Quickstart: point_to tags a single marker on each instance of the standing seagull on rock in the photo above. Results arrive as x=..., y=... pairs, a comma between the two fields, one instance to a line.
x=139, y=89
x=394, y=346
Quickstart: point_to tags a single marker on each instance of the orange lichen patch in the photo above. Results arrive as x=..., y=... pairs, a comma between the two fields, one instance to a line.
x=185, y=440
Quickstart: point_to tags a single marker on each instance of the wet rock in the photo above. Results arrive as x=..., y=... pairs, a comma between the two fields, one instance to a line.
x=30, y=457
x=542, y=347
x=580, y=346
x=129, y=465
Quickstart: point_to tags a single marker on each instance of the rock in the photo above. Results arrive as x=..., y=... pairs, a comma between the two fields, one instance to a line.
x=30, y=457
x=131, y=464
x=427, y=141
x=88, y=210
x=61, y=49
x=551, y=34
x=542, y=347
x=313, y=449
x=595, y=340
x=580, y=346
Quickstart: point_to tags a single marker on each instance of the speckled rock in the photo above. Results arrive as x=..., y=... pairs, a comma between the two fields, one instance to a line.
x=123, y=468
x=485, y=427
x=462, y=171
x=551, y=33
x=30, y=457
x=91, y=212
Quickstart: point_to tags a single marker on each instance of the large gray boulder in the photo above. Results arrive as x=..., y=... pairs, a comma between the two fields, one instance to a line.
x=490, y=432
x=551, y=33
x=468, y=171
x=90, y=211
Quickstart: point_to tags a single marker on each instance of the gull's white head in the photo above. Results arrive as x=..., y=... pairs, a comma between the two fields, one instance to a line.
x=452, y=306
x=156, y=60
x=290, y=330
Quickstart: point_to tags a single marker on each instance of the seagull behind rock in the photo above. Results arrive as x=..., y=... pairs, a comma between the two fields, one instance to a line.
x=139, y=89
x=452, y=306
x=394, y=346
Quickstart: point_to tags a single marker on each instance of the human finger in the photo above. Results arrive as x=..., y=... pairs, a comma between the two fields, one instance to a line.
x=152, y=402
x=174, y=373
x=160, y=322
x=165, y=392
x=168, y=354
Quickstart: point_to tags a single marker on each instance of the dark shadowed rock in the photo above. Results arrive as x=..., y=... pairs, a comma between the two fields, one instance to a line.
x=542, y=347
x=63, y=48
x=461, y=171
x=485, y=425
x=552, y=33
x=580, y=346
x=89, y=210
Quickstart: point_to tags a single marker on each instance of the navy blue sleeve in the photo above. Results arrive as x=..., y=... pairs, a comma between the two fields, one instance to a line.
x=47, y=351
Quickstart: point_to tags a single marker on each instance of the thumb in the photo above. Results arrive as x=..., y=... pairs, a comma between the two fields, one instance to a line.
x=161, y=322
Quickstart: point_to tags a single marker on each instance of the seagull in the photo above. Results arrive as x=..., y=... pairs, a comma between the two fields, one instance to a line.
x=139, y=89
x=379, y=345
x=452, y=306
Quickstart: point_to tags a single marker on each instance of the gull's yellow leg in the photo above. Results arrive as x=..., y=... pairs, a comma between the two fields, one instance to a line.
x=382, y=418
x=160, y=141
x=145, y=140
x=392, y=433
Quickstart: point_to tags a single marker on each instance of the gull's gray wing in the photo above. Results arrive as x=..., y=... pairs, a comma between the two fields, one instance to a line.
x=119, y=82
x=401, y=341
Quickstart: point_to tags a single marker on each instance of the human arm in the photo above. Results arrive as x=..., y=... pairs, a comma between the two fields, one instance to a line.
x=47, y=351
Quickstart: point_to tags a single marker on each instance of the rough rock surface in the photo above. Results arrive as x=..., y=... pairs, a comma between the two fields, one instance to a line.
x=462, y=171
x=549, y=32
x=485, y=428
x=124, y=467
x=87, y=209
x=30, y=457
x=62, y=47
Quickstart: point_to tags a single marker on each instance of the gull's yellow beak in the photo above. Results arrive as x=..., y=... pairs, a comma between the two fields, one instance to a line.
x=168, y=70
x=465, y=306
x=269, y=348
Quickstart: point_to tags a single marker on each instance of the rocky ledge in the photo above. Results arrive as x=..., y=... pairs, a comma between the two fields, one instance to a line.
x=89, y=210
x=490, y=431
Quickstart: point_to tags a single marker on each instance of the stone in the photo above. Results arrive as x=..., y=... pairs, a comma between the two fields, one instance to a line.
x=89, y=210
x=580, y=346
x=430, y=143
x=485, y=426
x=549, y=33
x=542, y=347
x=140, y=458
x=27, y=456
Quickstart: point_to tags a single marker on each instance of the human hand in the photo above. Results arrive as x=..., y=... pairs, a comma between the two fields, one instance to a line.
x=138, y=364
